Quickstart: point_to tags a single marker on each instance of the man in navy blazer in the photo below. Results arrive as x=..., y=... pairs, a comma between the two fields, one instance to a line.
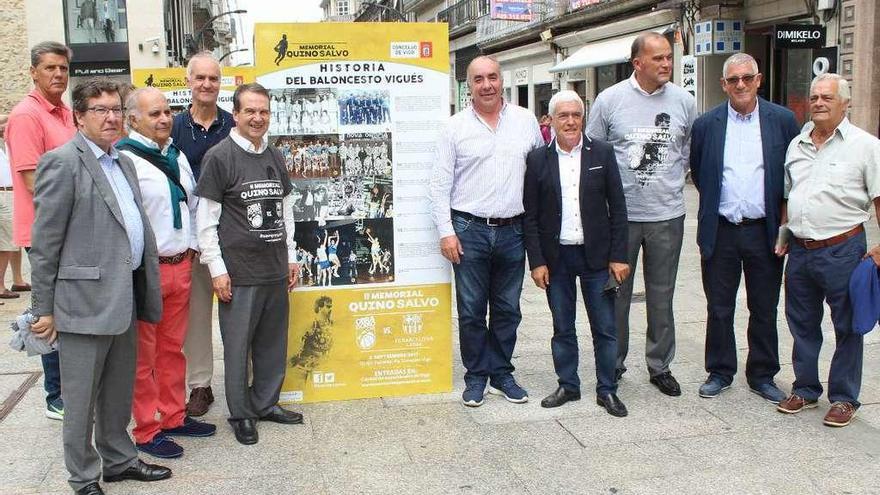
x=737, y=158
x=575, y=227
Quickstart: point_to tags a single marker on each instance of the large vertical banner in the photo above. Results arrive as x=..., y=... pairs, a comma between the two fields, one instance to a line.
x=355, y=112
x=171, y=81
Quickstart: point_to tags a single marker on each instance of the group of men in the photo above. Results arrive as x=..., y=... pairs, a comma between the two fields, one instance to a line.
x=585, y=205
x=134, y=220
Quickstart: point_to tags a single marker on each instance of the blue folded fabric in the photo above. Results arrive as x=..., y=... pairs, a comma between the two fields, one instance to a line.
x=864, y=293
x=23, y=339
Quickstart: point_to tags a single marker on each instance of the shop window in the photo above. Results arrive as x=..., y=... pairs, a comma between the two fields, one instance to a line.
x=522, y=96
x=543, y=93
x=609, y=75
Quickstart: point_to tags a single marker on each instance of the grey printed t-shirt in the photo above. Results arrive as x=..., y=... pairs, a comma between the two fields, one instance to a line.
x=250, y=187
x=651, y=138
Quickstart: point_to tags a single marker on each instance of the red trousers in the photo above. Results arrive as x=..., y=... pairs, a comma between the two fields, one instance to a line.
x=160, y=380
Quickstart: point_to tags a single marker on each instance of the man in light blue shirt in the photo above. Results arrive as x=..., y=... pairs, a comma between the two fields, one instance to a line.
x=737, y=158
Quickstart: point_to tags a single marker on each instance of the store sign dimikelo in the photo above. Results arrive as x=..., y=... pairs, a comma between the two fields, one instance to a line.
x=800, y=36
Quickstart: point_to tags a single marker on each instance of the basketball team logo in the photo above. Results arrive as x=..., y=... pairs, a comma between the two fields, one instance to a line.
x=255, y=215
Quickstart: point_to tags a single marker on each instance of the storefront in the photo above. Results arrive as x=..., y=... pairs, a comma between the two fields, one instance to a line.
x=527, y=78
x=597, y=58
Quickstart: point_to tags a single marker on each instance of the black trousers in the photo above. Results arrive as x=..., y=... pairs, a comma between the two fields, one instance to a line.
x=742, y=249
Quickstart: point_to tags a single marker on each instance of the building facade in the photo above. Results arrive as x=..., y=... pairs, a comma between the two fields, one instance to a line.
x=113, y=37
x=584, y=45
x=340, y=10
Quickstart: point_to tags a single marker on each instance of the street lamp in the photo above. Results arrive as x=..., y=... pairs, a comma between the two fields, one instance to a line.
x=230, y=53
x=197, y=38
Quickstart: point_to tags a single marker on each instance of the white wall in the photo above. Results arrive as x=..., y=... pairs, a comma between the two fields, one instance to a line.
x=146, y=20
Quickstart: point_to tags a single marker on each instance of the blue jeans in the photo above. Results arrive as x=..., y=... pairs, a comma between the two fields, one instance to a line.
x=490, y=275
x=812, y=276
x=562, y=296
x=52, y=378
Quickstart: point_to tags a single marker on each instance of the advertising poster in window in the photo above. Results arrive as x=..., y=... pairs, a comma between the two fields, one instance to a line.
x=355, y=114
x=97, y=32
x=511, y=10
x=172, y=82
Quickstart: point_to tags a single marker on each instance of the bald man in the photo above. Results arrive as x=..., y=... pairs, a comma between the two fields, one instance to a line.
x=477, y=206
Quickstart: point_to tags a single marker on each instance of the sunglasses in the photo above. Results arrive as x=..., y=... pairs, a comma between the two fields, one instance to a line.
x=733, y=81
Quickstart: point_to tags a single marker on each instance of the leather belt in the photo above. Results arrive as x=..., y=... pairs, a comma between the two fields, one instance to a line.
x=491, y=222
x=6, y=188
x=173, y=260
x=745, y=221
x=831, y=241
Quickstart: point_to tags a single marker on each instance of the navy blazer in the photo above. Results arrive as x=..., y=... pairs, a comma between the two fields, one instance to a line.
x=778, y=129
x=602, y=206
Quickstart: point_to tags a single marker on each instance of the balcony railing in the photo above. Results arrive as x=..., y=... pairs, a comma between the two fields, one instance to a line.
x=463, y=15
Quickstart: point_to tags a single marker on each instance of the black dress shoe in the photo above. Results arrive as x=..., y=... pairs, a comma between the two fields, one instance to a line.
x=245, y=431
x=280, y=415
x=667, y=384
x=90, y=489
x=141, y=471
x=560, y=397
x=612, y=404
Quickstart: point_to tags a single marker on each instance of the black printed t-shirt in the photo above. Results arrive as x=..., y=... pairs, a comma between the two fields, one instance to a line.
x=250, y=187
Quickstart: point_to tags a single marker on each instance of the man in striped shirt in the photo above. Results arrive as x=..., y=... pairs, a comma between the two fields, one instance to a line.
x=476, y=195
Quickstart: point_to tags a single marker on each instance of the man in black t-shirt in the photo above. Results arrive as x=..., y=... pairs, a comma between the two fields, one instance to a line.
x=245, y=223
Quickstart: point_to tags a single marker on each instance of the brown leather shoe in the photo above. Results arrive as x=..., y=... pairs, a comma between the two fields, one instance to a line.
x=795, y=404
x=200, y=400
x=840, y=414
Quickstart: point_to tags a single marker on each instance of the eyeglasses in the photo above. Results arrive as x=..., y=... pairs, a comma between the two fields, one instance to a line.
x=104, y=111
x=733, y=81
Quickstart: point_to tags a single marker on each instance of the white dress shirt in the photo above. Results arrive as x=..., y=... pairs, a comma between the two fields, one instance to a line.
x=572, y=230
x=157, y=200
x=209, y=211
x=742, y=182
x=480, y=170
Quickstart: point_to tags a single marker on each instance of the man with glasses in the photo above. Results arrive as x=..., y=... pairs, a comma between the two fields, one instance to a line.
x=573, y=192
x=194, y=132
x=648, y=121
x=95, y=272
x=39, y=123
x=737, y=158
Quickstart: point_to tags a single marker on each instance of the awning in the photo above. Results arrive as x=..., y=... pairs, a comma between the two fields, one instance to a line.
x=613, y=51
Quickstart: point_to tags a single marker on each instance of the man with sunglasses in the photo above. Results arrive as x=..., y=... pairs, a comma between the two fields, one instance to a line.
x=737, y=158
x=194, y=132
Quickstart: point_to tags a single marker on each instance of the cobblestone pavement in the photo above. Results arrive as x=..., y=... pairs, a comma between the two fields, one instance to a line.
x=735, y=443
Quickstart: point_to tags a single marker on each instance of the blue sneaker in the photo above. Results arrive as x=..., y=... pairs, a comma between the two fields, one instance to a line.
x=161, y=446
x=473, y=394
x=713, y=387
x=770, y=392
x=511, y=391
x=55, y=410
x=191, y=428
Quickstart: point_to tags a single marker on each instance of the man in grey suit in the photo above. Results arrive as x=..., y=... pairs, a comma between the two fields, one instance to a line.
x=94, y=272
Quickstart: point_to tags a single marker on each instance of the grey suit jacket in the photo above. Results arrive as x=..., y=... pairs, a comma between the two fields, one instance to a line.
x=81, y=267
